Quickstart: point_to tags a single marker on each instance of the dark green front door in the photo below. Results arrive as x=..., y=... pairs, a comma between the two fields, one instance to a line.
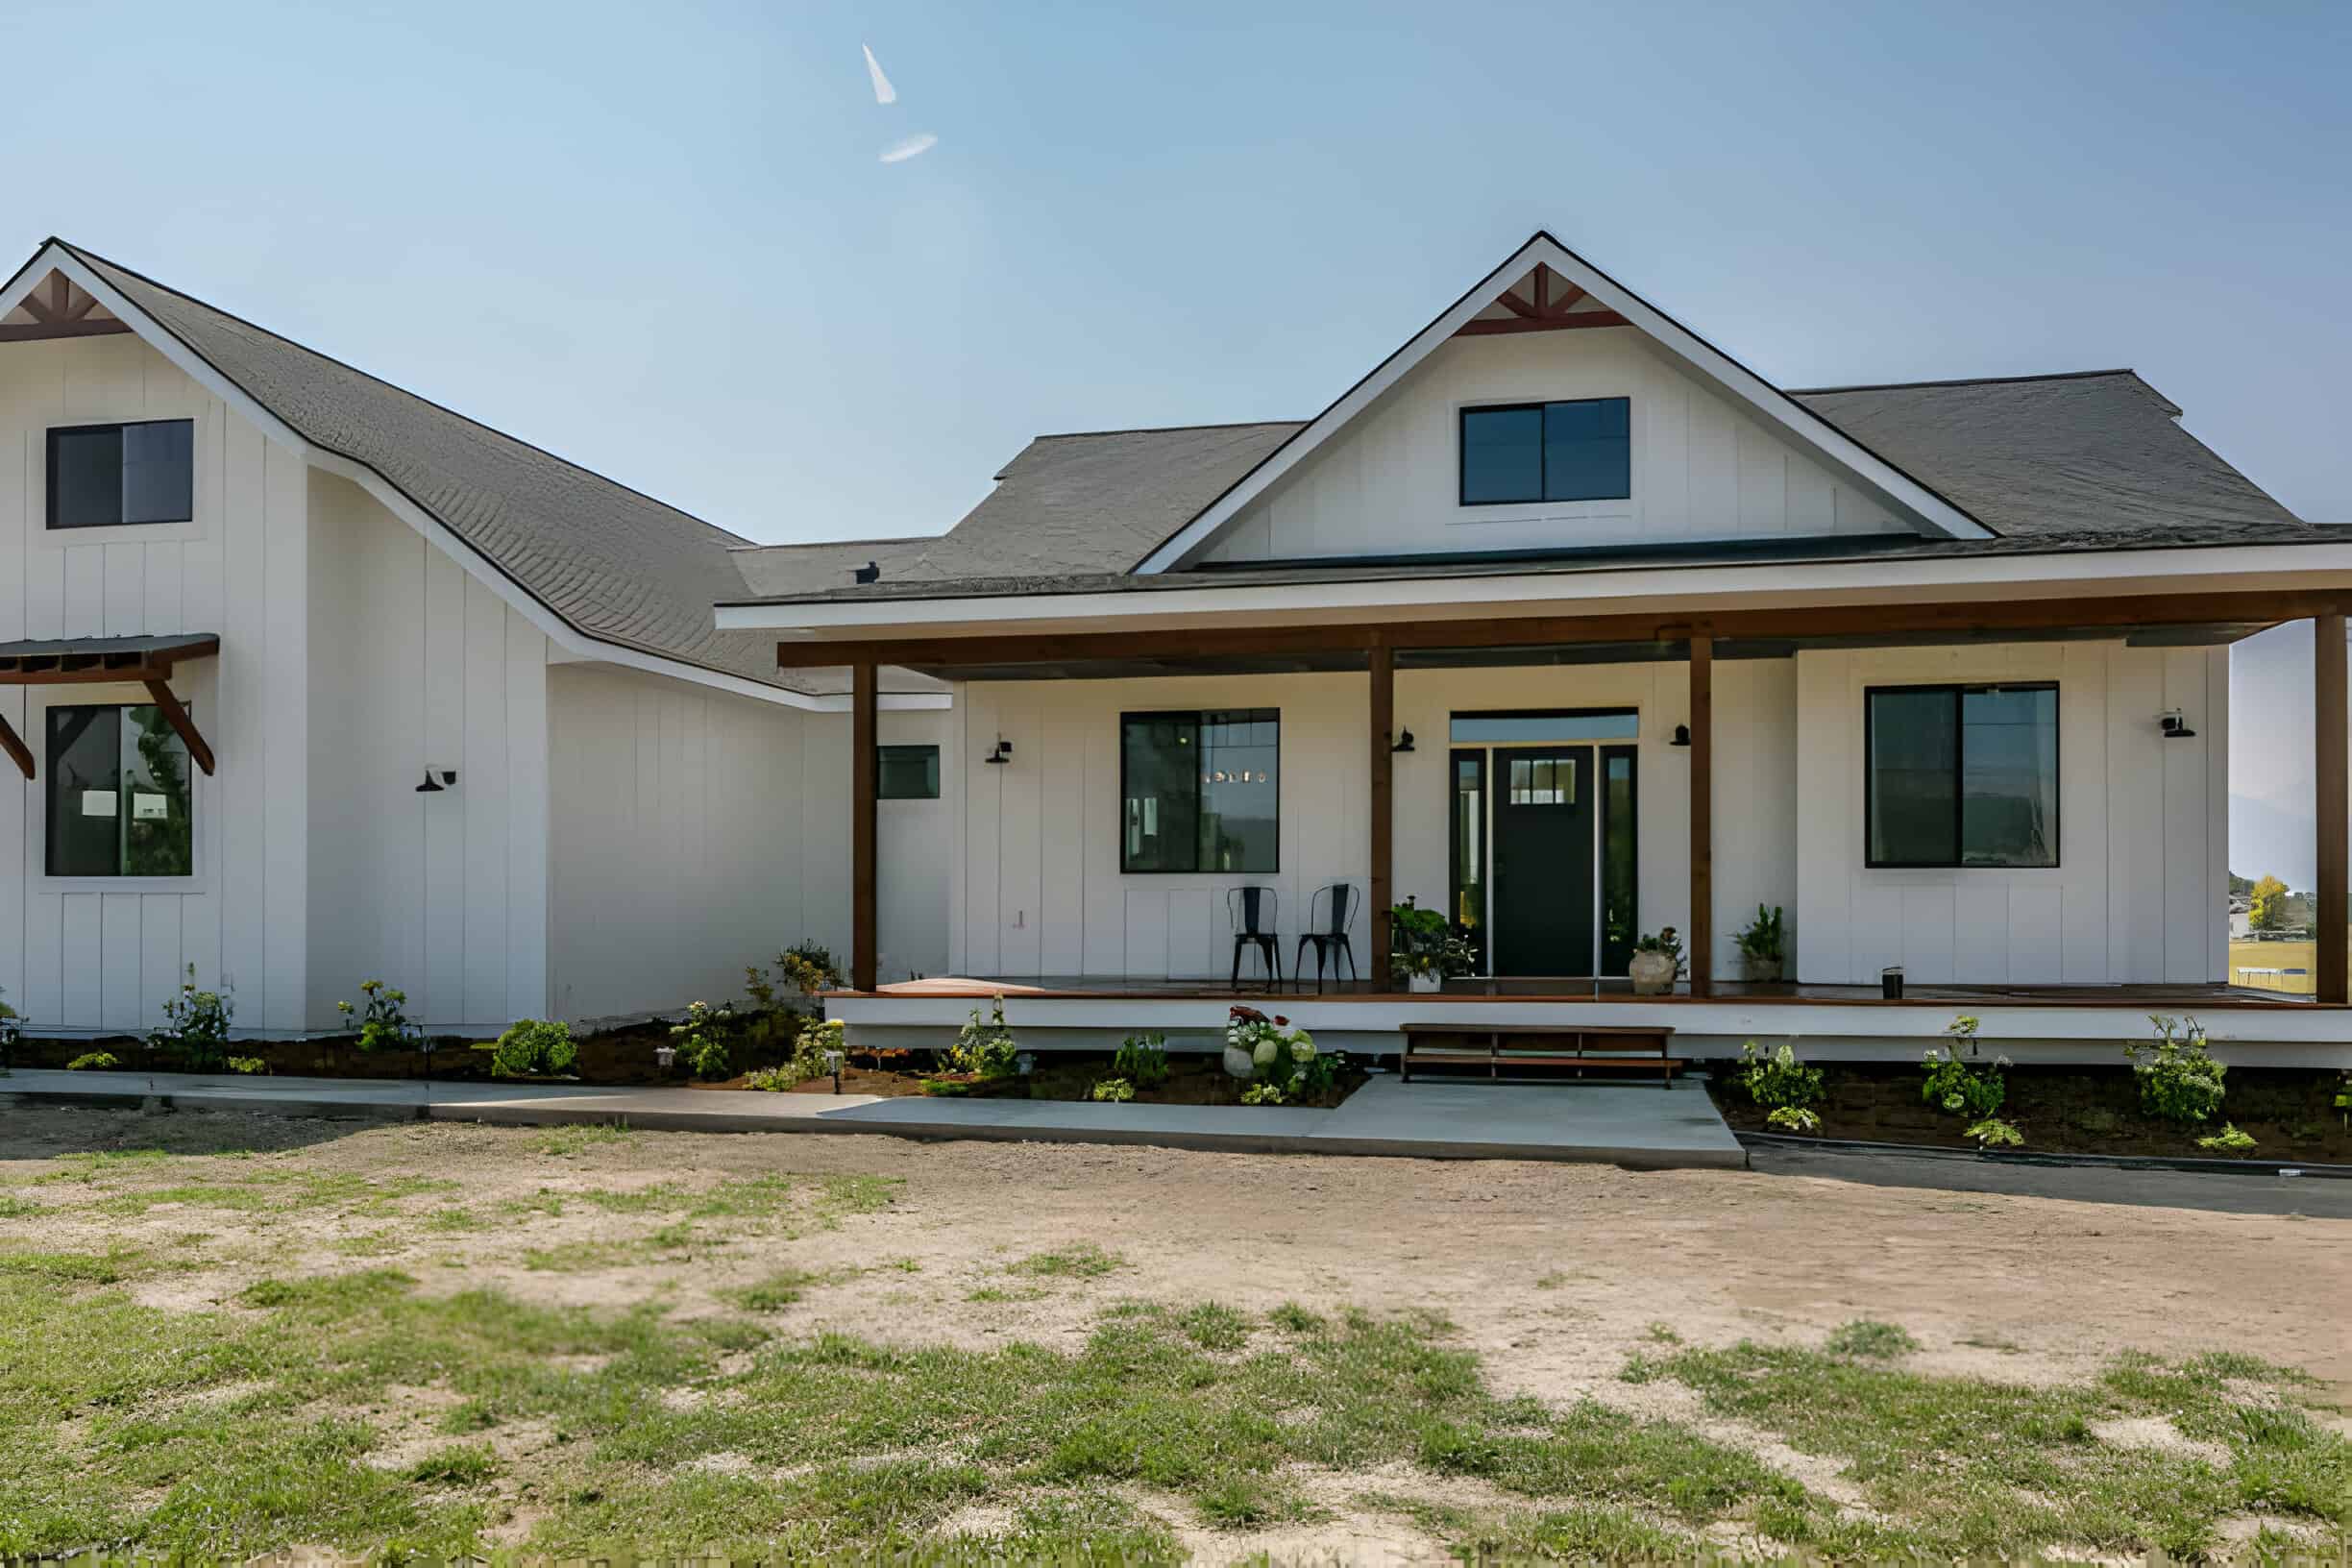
x=1543, y=860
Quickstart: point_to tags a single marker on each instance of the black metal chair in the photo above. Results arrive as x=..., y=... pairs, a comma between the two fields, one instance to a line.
x=1252, y=913
x=1331, y=914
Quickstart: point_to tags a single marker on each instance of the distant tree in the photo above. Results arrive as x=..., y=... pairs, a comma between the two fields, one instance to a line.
x=2269, y=911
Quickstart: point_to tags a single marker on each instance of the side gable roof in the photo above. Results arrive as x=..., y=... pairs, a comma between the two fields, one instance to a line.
x=1933, y=514
x=612, y=564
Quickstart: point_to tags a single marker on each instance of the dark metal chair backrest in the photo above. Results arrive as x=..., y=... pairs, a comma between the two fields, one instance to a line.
x=1335, y=910
x=1251, y=911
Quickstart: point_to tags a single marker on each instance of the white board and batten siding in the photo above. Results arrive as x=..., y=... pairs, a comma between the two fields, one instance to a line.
x=2139, y=892
x=694, y=833
x=1041, y=892
x=103, y=953
x=1703, y=468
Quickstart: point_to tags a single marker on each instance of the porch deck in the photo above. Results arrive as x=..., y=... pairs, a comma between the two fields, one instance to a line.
x=2180, y=997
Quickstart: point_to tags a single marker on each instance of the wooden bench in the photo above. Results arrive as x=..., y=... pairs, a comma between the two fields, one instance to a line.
x=1618, y=1047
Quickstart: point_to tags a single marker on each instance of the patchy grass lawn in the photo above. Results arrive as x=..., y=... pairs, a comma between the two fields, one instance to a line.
x=416, y=1401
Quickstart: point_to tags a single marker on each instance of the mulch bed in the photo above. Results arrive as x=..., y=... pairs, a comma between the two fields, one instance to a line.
x=2287, y=1111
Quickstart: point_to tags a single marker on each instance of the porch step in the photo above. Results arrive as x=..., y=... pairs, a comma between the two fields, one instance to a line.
x=1569, y=1047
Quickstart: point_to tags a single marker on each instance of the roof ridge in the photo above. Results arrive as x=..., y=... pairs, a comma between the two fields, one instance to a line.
x=1166, y=430
x=88, y=255
x=1965, y=380
x=836, y=544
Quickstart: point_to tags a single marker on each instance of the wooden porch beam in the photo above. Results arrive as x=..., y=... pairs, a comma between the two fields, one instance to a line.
x=862, y=882
x=1702, y=946
x=1383, y=726
x=1542, y=324
x=17, y=752
x=2124, y=613
x=182, y=725
x=38, y=332
x=2334, y=966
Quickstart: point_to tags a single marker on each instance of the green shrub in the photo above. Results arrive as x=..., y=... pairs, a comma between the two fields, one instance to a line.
x=1965, y=1088
x=702, y=1040
x=1793, y=1118
x=1116, y=1091
x=985, y=1050
x=382, y=1025
x=248, y=1064
x=1869, y=1339
x=1284, y=1059
x=2229, y=1140
x=1993, y=1133
x=2178, y=1080
x=1264, y=1095
x=1142, y=1060
x=92, y=1062
x=12, y=1028
x=533, y=1048
x=1774, y=1079
x=195, y=1032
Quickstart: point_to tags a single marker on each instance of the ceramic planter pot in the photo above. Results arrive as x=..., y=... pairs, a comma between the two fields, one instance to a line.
x=1652, y=974
x=1238, y=1064
x=1761, y=968
x=1424, y=981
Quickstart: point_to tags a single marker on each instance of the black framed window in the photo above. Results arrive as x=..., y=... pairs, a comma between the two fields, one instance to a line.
x=1467, y=849
x=1620, y=857
x=118, y=793
x=1201, y=791
x=906, y=772
x=1575, y=451
x=1961, y=775
x=101, y=475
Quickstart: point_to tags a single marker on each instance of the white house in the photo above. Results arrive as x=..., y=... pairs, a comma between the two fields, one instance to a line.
x=1560, y=621
x=352, y=591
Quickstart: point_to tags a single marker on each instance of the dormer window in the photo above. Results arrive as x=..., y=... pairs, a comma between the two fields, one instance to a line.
x=1537, y=452
x=104, y=475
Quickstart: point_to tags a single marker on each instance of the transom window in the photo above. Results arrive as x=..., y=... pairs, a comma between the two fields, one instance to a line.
x=1202, y=792
x=119, y=801
x=1961, y=775
x=101, y=475
x=906, y=772
x=1578, y=450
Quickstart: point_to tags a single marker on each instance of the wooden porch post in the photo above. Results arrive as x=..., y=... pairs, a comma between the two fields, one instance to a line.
x=1702, y=946
x=1382, y=662
x=863, y=683
x=2328, y=692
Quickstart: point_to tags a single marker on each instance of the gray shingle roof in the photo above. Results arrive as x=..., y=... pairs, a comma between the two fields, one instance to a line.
x=2079, y=461
x=615, y=565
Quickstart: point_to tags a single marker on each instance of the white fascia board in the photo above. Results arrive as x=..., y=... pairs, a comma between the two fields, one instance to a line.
x=558, y=631
x=1881, y=478
x=2102, y=573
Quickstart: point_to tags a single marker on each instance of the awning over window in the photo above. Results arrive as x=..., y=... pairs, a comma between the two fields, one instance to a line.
x=91, y=661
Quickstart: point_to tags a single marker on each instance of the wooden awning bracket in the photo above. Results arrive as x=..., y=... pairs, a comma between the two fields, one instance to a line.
x=14, y=744
x=144, y=661
x=181, y=726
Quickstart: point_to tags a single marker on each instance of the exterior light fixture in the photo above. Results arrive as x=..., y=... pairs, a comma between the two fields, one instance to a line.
x=437, y=779
x=1000, y=753
x=2176, y=727
x=1403, y=742
x=1681, y=735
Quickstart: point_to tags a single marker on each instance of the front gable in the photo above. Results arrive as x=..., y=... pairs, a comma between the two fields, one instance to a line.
x=1716, y=451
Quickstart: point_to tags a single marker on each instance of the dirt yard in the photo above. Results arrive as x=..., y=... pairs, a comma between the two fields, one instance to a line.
x=1554, y=1276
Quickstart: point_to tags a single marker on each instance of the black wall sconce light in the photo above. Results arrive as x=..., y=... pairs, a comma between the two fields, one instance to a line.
x=437, y=779
x=2176, y=727
x=1681, y=735
x=1404, y=742
x=1000, y=753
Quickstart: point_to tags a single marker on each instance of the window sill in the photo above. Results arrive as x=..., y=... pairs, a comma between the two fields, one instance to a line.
x=187, y=532
x=45, y=883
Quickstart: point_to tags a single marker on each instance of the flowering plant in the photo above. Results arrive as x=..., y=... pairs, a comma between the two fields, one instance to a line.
x=1974, y=1091
x=1282, y=1058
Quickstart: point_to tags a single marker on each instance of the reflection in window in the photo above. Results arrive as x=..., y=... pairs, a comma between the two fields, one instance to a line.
x=117, y=794
x=906, y=772
x=1542, y=781
x=1619, y=873
x=1960, y=775
x=104, y=475
x=1202, y=791
x=1575, y=451
x=1469, y=848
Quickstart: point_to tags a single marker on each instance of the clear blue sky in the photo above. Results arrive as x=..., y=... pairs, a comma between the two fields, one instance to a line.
x=659, y=239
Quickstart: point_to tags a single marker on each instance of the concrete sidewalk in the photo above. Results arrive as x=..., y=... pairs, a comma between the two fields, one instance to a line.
x=1645, y=1127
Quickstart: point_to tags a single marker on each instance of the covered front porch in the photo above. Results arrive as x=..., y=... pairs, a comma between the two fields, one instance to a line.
x=1724, y=757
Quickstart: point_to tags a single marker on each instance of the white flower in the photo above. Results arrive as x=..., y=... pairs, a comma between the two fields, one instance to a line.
x=1264, y=1054
x=1302, y=1049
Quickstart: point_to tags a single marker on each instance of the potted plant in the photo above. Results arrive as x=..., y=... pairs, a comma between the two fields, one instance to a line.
x=1656, y=964
x=1416, y=946
x=1763, y=944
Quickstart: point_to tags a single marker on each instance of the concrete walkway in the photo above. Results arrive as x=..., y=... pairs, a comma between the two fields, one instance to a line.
x=1641, y=1126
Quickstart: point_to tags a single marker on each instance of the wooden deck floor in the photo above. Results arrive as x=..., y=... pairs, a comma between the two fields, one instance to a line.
x=2153, y=998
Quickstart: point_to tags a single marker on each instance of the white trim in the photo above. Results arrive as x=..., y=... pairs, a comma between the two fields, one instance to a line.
x=1929, y=511
x=557, y=630
x=1685, y=590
